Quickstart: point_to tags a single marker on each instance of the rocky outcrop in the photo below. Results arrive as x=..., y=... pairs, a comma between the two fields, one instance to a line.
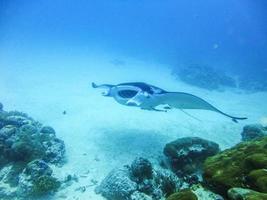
x=185, y=156
x=253, y=131
x=204, y=77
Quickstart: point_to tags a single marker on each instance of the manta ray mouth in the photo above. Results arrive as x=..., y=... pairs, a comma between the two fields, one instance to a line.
x=127, y=93
x=131, y=104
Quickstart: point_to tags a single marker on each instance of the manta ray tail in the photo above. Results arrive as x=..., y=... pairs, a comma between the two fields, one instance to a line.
x=234, y=119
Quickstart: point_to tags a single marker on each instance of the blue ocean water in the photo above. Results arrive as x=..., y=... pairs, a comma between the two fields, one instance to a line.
x=51, y=51
x=228, y=34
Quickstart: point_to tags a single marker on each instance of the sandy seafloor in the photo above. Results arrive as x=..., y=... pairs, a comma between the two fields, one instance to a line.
x=100, y=134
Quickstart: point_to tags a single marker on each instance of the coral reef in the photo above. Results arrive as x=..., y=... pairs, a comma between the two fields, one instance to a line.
x=24, y=139
x=186, y=155
x=253, y=131
x=141, y=169
x=140, y=196
x=241, y=166
x=26, y=150
x=45, y=184
x=228, y=173
x=166, y=181
x=117, y=185
x=37, y=179
x=204, y=77
x=138, y=181
x=258, y=179
x=201, y=171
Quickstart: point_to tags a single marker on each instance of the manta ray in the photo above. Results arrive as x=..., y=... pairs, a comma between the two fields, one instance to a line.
x=149, y=97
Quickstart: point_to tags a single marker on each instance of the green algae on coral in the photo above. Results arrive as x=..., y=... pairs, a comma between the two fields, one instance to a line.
x=257, y=160
x=195, y=192
x=44, y=185
x=245, y=194
x=186, y=194
x=258, y=179
x=231, y=168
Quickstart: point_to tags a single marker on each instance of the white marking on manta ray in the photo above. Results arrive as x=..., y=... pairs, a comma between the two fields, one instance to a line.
x=149, y=97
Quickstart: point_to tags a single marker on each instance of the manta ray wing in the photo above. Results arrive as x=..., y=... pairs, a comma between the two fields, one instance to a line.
x=181, y=100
